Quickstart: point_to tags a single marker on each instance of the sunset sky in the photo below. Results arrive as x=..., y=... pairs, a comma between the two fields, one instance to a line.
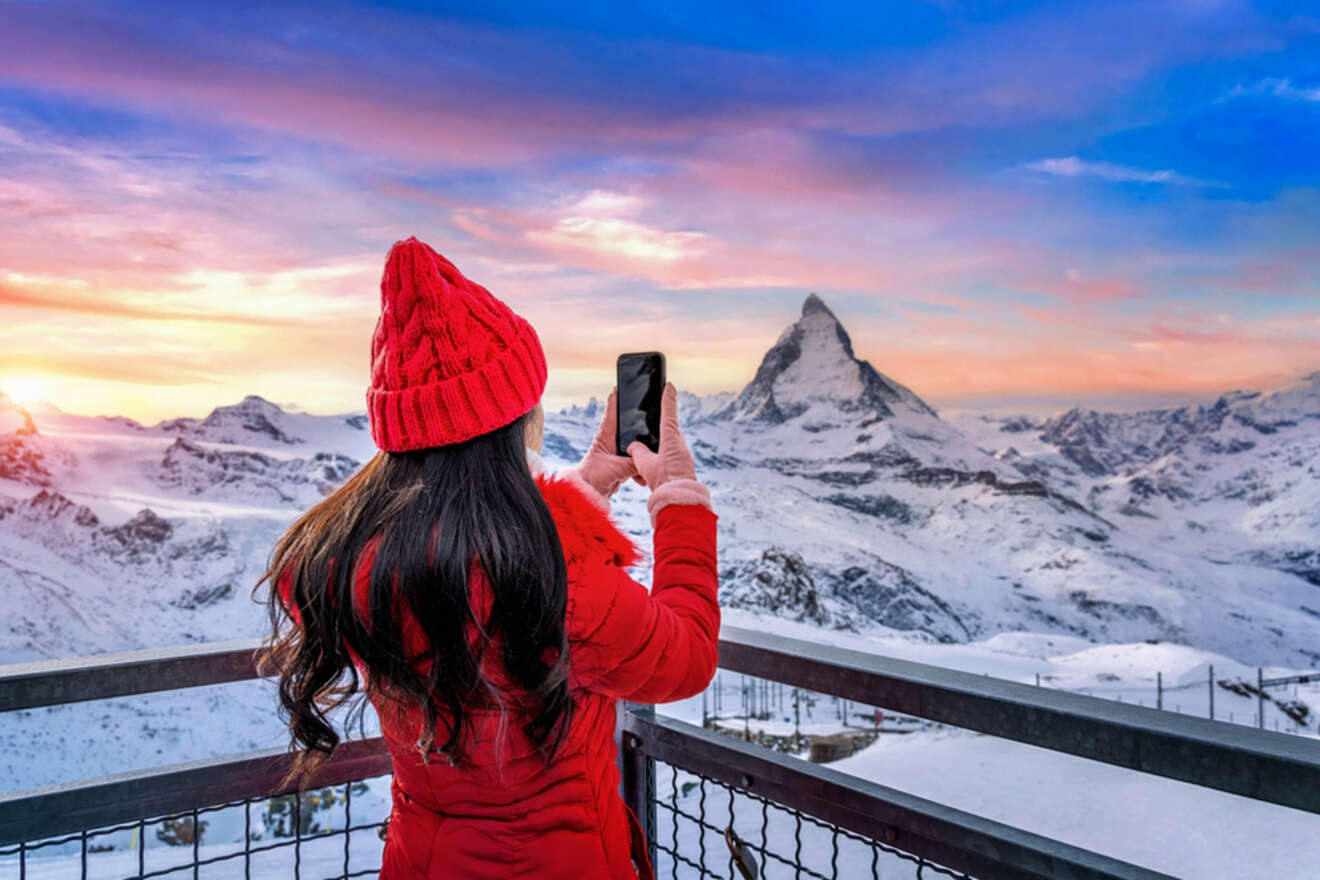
x=1004, y=202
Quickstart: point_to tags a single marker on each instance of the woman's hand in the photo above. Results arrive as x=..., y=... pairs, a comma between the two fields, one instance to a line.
x=670, y=473
x=673, y=461
x=602, y=468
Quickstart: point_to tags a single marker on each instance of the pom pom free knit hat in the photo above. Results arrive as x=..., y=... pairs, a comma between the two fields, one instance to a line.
x=449, y=361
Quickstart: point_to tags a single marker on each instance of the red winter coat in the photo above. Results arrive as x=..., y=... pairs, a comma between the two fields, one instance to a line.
x=512, y=818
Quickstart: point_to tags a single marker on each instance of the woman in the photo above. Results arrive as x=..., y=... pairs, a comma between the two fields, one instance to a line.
x=493, y=625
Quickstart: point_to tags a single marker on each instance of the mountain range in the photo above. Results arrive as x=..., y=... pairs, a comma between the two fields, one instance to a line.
x=845, y=501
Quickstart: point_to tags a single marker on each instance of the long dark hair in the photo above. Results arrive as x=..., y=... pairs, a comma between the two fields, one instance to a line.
x=435, y=512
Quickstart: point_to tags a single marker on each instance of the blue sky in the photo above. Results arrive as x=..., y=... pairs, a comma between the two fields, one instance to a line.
x=1003, y=201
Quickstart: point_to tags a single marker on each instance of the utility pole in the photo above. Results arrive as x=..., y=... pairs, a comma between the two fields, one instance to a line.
x=1211, y=685
x=1159, y=690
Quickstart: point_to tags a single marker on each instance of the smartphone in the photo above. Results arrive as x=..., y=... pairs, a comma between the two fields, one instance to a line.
x=641, y=384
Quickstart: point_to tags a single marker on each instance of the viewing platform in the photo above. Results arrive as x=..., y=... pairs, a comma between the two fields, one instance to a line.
x=701, y=794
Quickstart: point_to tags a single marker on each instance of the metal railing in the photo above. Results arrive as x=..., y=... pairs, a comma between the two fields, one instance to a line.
x=792, y=818
x=1262, y=765
x=931, y=836
x=1258, y=764
x=180, y=799
x=292, y=854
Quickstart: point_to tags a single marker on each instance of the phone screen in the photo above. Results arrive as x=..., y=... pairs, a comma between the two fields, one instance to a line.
x=641, y=383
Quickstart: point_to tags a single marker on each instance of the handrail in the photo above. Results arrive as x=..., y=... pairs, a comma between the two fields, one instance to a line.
x=98, y=677
x=1275, y=767
x=948, y=836
x=1263, y=765
x=52, y=810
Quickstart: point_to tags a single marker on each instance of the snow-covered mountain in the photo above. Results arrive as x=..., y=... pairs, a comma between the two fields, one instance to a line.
x=1238, y=481
x=847, y=501
x=812, y=367
x=115, y=536
x=844, y=499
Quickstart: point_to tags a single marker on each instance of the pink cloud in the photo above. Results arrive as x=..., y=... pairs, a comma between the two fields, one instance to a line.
x=1077, y=287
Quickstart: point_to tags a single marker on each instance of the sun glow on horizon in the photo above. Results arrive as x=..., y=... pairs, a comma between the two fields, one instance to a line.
x=25, y=388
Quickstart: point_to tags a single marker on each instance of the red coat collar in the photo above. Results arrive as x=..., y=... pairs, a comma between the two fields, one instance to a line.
x=585, y=531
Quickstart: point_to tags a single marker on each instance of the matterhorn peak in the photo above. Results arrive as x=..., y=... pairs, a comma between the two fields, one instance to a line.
x=814, y=304
x=813, y=364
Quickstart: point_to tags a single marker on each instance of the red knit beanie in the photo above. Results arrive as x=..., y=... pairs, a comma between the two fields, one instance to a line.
x=448, y=360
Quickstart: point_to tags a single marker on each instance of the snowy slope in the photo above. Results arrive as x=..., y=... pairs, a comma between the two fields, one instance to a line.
x=1235, y=484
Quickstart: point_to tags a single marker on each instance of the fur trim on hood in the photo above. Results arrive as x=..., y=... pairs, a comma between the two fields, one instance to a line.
x=585, y=531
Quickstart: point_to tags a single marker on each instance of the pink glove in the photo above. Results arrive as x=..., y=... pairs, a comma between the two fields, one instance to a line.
x=671, y=473
x=602, y=469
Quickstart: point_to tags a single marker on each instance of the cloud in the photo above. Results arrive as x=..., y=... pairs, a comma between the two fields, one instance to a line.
x=1081, y=287
x=611, y=236
x=1277, y=88
x=609, y=224
x=1073, y=166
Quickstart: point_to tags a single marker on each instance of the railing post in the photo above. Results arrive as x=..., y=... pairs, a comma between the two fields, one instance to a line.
x=637, y=776
x=1260, y=698
x=797, y=718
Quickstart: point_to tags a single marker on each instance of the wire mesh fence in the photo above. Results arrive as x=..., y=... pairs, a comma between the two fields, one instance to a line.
x=335, y=833
x=331, y=833
x=695, y=814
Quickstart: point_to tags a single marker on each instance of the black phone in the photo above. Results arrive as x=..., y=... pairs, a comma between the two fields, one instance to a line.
x=641, y=384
